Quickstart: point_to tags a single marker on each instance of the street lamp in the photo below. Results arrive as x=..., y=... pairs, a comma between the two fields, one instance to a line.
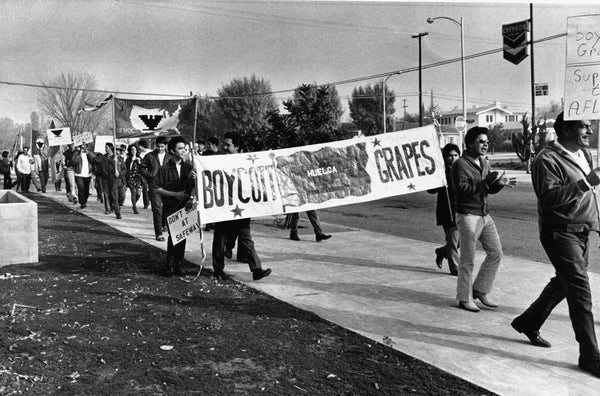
x=384, y=108
x=462, y=65
x=420, y=36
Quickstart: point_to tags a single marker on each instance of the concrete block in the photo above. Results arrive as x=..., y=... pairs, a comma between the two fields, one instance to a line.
x=18, y=229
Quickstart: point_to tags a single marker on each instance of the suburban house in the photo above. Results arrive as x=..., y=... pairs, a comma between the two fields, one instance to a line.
x=484, y=116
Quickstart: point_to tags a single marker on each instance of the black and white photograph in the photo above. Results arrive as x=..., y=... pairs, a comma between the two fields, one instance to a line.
x=285, y=197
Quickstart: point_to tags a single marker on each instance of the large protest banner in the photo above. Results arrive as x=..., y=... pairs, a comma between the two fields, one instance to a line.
x=235, y=186
x=151, y=118
x=582, y=79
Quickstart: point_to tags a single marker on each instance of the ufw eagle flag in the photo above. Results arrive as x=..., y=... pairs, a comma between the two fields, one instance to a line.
x=151, y=118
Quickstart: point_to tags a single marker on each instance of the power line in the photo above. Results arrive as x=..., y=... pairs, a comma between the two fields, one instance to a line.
x=261, y=17
x=335, y=83
x=89, y=89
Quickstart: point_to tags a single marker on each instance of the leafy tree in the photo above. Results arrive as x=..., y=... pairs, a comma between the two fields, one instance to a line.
x=529, y=142
x=496, y=135
x=314, y=117
x=9, y=131
x=243, y=106
x=366, y=108
x=63, y=97
x=205, y=120
x=550, y=111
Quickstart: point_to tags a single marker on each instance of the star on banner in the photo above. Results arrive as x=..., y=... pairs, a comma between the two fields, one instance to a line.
x=412, y=187
x=252, y=157
x=376, y=142
x=237, y=211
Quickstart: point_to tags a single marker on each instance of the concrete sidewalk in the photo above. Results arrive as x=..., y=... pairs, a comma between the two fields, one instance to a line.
x=389, y=289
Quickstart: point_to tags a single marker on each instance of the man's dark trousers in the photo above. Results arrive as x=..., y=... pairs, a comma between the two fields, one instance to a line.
x=228, y=229
x=83, y=188
x=157, y=210
x=175, y=253
x=568, y=252
x=25, y=182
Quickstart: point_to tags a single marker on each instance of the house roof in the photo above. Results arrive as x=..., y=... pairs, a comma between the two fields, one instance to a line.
x=491, y=108
x=479, y=110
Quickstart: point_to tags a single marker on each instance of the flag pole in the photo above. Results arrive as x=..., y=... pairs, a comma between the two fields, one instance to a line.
x=196, y=182
x=114, y=114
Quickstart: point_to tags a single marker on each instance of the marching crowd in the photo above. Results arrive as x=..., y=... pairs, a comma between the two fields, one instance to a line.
x=564, y=182
x=162, y=178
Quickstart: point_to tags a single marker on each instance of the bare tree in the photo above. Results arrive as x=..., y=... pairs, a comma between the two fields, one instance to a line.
x=63, y=97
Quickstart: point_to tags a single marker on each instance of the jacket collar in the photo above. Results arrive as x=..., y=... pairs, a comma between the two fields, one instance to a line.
x=562, y=152
x=479, y=163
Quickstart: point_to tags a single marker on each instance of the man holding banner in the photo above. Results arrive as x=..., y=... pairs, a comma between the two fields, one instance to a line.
x=175, y=183
x=230, y=229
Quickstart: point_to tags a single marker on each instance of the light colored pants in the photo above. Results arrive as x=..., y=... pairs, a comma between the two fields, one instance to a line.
x=72, y=193
x=474, y=228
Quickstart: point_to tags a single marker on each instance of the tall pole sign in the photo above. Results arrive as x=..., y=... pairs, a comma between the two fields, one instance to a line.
x=582, y=79
x=515, y=37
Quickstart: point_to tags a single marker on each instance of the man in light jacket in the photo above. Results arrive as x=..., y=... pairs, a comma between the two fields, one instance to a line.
x=24, y=166
x=564, y=182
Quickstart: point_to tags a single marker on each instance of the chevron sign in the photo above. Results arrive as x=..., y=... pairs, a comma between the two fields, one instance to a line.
x=516, y=40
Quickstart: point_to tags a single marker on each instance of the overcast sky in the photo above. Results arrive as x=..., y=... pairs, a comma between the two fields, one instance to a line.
x=178, y=46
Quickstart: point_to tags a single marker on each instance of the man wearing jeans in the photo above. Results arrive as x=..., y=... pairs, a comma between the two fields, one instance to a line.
x=564, y=183
x=473, y=181
x=150, y=166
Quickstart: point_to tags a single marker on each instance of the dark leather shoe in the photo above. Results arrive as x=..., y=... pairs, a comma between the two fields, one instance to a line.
x=260, y=273
x=160, y=238
x=294, y=236
x=534, y=335
x=322, y=237
x=484, y=300
x=221, y=275
x=228, y=253
x=592, y=367
x=439, y=257
x=468, y=306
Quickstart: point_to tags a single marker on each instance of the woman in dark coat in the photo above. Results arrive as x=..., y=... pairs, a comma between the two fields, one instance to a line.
x=133, y=176
x=445, y=213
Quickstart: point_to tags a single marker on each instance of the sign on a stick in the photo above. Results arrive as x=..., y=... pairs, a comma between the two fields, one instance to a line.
x=582, y=79
x=59, y=136
x=183, y=224
x=85, y=137
x=460, y=124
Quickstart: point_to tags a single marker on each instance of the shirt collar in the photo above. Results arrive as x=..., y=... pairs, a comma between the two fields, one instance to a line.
x=578, y=153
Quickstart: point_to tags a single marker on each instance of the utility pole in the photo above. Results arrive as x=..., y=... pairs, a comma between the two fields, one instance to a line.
x=419, y=36
x=533, y=121
x=404, y=107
